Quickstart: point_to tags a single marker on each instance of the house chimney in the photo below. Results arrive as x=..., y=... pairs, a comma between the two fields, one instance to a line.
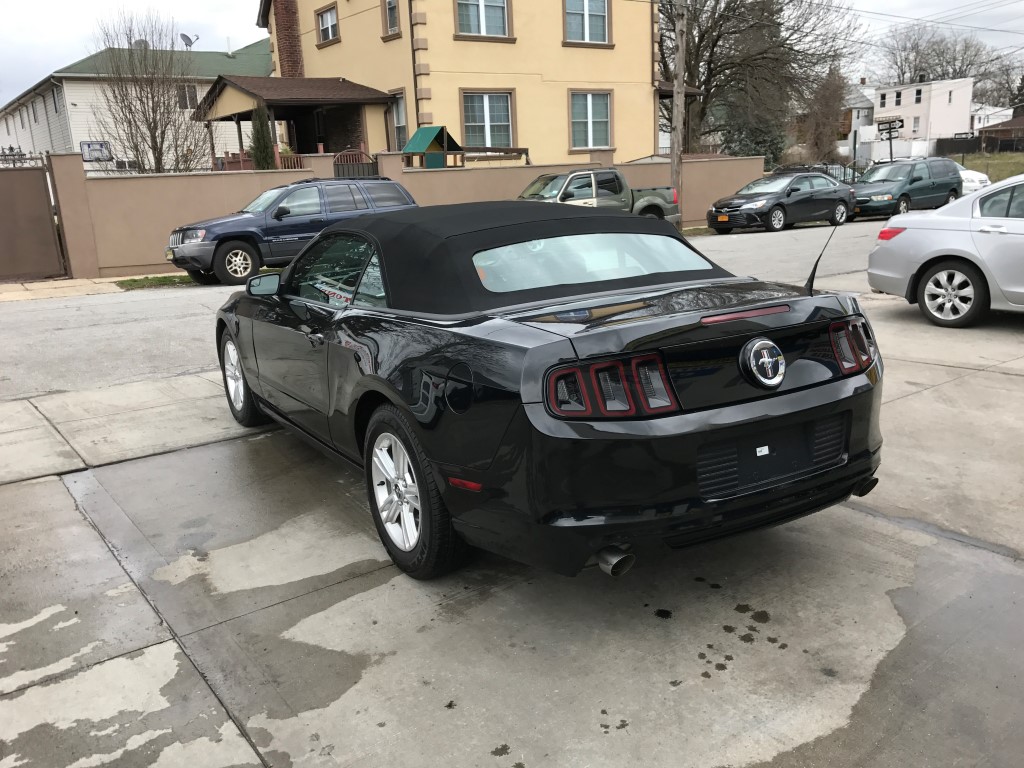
x=287, y=41
x=863, y=81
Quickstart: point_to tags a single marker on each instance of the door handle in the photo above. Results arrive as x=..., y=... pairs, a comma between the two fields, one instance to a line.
x=993, y=229
x=316, y=221
x=315, y=339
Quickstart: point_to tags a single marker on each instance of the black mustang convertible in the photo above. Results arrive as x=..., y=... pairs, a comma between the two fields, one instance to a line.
x=555, y=384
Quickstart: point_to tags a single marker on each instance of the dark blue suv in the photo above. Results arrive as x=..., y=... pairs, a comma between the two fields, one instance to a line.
x=275, y=226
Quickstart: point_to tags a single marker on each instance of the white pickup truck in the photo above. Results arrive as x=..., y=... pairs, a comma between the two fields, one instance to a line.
x=603, y=188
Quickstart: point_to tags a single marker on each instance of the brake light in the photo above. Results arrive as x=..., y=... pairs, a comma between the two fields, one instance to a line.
x=853, y=345
x=890, y=232
x=675, y=196
x=633, y=387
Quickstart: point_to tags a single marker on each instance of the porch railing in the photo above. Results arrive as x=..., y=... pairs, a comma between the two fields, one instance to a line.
x=290, y=163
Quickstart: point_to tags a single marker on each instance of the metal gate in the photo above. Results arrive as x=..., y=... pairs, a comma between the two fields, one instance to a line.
x=354, y=163
x=29, y=248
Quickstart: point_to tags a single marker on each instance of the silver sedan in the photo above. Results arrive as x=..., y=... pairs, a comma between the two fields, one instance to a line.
x=959, y=261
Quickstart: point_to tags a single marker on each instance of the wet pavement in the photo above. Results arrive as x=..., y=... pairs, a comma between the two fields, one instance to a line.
x=229, y=604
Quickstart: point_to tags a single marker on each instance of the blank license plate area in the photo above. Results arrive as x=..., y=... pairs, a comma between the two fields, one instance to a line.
x=728, y=467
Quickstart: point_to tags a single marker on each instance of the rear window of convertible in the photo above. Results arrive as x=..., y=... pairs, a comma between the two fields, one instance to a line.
x=579, y=260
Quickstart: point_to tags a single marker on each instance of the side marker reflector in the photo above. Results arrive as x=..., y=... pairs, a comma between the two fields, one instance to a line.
x=466, y=485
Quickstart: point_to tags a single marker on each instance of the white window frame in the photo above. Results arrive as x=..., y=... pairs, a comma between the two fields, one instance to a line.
x=916, y=124
x=400, y=100
x=590, y=119
x=487, y=114
x=881, y=101
x=587, y=13
x=481, y=6
x=390, y=5
x=320, y=28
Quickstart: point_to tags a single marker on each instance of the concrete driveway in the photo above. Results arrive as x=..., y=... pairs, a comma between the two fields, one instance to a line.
x=229, y=603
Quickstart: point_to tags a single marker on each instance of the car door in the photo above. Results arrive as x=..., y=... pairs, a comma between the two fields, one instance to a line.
x=824, y=195
x=296, y=220
x=997, y=229
x=922, y=188
x=579, y=190
x=343, y=201
x=799, y=200
x=291, y=333
x=611, y=192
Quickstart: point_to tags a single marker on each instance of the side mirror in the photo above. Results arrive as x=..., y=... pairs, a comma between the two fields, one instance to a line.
x=281, y=212
x=791, y=190
x=916, y=179
x=567, y=195
x=264, y=285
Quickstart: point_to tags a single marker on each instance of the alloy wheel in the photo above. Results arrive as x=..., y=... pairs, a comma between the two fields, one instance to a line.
x=233, y=375
x=778, y=219
x=949, y=294
x=840, y=213
x=903, y=206
x=950, y=198
x=238, y=263
x=396, y=491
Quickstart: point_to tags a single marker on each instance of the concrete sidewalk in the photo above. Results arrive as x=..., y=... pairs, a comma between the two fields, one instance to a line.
x=59, y=433
x=62, y=288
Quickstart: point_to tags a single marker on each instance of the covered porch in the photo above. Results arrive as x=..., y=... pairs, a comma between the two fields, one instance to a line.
x=308, y=115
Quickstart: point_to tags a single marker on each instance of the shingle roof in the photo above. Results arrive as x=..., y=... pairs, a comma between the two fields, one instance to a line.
x=305, y=90
x=1015, y=122
x=253, y=60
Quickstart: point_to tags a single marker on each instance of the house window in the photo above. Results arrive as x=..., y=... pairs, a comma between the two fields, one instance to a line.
x=187, y=97
x=881, y=100
x=591, y=120
x=917, y=124
x=401, y=125
x=327, y=23
x=899, y=98
x=483, y=17
x=21, y=117
x=35, y=117
x=586, y=21
x=917, y=96
x=58, y=99
x=390, y=18
x=487, y=119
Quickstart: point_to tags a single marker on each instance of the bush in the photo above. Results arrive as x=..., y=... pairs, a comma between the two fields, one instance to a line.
x=261, y=146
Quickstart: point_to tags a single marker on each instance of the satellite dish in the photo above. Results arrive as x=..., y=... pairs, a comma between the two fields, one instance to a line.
x=188, y=41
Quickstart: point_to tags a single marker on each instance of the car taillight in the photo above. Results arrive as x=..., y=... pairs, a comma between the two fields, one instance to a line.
x=853, y=345
x=612, y=389
x=675, y=196
x=890, y=232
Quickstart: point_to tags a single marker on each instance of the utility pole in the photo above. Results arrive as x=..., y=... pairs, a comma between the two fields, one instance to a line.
x=679, y=97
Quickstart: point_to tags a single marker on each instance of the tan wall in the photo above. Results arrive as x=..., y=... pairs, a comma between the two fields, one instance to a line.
x=120, y=225
x=704, y=180
x=28, y=245
x=536, y=68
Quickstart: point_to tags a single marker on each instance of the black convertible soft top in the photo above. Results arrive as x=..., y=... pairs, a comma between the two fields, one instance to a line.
x=427, y=252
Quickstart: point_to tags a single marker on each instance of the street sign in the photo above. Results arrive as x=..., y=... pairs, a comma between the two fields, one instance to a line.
x=890, y=125
x=964, y=135
x=887, y=135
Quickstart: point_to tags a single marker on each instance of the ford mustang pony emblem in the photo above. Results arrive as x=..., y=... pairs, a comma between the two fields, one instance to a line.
x=763, y=361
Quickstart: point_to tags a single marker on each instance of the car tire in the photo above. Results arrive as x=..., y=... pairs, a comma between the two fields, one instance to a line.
x=235, y=262
x=652, y=213
x=722, y=230
x=942, y=289
x=241, y=401
x=951, y=197
x=902, y=205
x=839, y=214
x=776, y=219
x=420, y=541
x=851, y=217
x=203, y=278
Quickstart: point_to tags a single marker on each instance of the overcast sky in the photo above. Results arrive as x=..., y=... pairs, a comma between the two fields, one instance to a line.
x=37, y=39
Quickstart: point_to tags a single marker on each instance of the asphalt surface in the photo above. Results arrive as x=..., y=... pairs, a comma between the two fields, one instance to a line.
x=229, y=604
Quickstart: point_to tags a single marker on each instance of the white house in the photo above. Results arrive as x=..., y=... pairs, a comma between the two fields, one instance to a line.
x=59, y=113
x=930, y=110
x=983, y=115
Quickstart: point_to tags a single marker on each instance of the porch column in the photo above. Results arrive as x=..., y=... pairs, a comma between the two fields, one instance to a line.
x=241, y=144
x=213, y=147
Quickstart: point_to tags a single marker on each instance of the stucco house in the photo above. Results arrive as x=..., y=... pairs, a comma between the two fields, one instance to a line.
x=61, y=111
x=558, y=78
x=930, y=110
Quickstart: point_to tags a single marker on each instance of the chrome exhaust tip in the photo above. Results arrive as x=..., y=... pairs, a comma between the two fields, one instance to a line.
x=866, y=487
x=615, y=561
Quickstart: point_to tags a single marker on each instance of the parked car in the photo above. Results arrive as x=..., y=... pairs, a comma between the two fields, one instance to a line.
x=973, y=180
x=781, y=200
x=885, y=189
x=958, y=262
x=603, y=188
x=555, y=384
x=276, y=225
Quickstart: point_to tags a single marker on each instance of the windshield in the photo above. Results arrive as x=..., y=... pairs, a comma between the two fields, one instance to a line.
x=261, y=203
x=886, y=173
x=580, y=259
x=766, y=185
x=543, y=187
x=959, y=167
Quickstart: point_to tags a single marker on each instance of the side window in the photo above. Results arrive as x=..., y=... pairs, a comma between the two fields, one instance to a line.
x=329, y=270
x=996, y=205
x=921, y=169
x=371, y=288
x=386, y=195
x=1016, y=210
x=820, y=182
x=802, y=183
x=608, y=184
x=343, y=197
x=302, y=202
x=581, y=187
x=938, y=168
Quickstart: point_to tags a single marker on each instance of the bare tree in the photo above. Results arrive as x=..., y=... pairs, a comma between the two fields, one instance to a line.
x=751, y=59
x=824, y=116
x=149, y=95
x=910, y=53
x=906, y=53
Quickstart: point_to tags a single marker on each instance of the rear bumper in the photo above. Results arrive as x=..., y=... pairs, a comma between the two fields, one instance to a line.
x=557, y=492
x=193, y=256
